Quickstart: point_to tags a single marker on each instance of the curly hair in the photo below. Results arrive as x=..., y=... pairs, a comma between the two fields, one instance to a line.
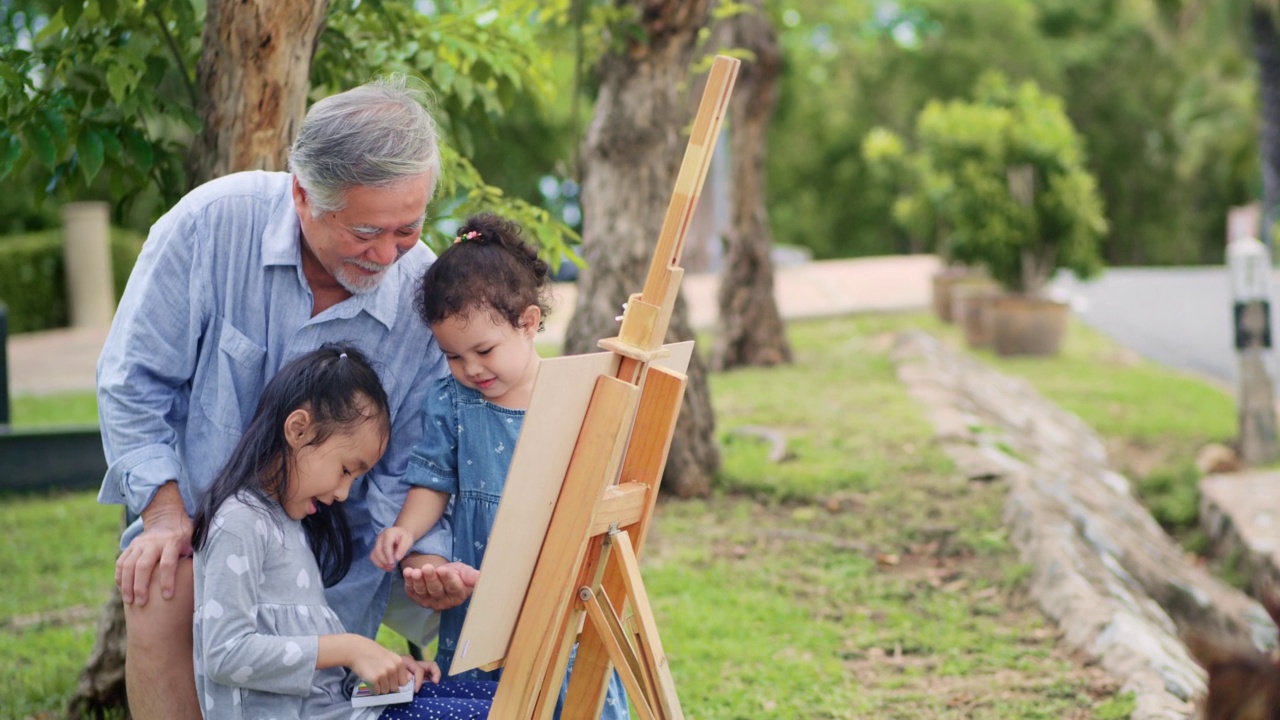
x=489, y=266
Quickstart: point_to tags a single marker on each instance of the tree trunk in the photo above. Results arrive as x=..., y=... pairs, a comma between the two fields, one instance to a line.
x=631, y=155
x=751, y=331
x=254, y=75
x=101, y=692
x=1266, y=49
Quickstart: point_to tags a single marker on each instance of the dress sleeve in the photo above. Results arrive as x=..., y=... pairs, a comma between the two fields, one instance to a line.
x=433, y=462
x=148, y=360
x=234, y=652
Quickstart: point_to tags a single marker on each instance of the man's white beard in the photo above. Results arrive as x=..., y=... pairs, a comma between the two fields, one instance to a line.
x=356, y=282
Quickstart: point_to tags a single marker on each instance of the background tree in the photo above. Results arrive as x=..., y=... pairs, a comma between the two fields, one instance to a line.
x=1266, y=50
x=253, y=78
x=751, y=331
x=1252, y=24
x=630, y=155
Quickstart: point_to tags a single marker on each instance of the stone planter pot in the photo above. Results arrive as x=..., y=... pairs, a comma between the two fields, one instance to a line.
x=1023, y=325
x=971, y=304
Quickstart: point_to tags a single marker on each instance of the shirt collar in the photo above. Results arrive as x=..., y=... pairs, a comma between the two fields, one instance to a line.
x=282, y=237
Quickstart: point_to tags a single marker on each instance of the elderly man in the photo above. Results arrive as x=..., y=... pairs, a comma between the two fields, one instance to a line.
x=245, y=273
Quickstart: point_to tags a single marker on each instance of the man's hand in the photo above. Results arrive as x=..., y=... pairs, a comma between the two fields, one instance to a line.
x=165, y=538
x=440, y=587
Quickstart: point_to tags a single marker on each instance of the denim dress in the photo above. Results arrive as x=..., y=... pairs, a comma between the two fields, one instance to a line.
x=465, y=452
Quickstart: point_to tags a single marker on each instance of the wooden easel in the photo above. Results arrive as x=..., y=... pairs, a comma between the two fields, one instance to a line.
x=587, y=572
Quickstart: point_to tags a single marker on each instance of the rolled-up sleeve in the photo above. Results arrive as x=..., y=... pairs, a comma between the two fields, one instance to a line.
x=399, y=461
x=145, y=370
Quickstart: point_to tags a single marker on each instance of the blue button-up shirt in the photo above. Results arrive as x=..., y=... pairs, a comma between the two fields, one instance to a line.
x=216, y=304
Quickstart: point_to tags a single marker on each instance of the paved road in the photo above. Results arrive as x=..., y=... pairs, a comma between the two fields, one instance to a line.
x=1179, y=317
x=1175, y=316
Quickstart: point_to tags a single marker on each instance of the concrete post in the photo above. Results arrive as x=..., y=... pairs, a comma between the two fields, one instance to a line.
x=1250, y=266
x=86, y=253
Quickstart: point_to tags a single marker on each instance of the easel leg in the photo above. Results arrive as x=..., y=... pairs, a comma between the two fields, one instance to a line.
x=641, y=661
x=614, y=642
x=553, y=678
x=650, y=647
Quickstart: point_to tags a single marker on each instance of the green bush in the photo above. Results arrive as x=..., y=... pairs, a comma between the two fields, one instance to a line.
x=32, y=280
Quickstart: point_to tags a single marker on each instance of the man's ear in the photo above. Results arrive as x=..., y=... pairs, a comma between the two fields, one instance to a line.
x=300, y=200
x=531, y=320
x=297, y=428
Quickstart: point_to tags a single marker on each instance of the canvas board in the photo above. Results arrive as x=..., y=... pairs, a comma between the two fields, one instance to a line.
x=561, y=394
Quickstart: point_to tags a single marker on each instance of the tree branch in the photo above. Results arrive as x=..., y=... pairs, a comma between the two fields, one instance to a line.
x=177, y=57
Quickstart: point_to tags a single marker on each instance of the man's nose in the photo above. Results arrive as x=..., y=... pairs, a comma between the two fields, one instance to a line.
x=384, y=251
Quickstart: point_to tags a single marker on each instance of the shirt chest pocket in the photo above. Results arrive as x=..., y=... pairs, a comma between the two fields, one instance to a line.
x=231, y=379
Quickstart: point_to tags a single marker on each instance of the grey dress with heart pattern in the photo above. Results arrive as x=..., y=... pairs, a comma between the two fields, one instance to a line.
x=260, y=609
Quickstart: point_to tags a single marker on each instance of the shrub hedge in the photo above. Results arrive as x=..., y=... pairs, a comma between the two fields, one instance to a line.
x=32, y=283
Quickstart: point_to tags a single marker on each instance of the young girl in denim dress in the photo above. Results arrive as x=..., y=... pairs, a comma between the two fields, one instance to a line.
x=484, y=299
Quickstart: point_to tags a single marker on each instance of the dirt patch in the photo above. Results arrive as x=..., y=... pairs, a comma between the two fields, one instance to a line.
x=1137, y=459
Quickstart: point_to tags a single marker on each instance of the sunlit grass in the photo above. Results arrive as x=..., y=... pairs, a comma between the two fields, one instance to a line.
x=860, y=578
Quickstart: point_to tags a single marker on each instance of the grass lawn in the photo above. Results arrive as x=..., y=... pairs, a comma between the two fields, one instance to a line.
x=860, y=578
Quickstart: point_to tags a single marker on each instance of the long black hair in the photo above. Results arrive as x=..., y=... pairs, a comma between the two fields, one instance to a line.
x=489, y=266
x=339, y=387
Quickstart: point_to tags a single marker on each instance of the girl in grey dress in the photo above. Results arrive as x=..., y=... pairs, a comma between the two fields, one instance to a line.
x=270, y=536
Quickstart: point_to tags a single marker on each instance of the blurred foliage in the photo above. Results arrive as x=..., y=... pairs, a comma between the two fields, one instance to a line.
x=998, y=182
x=33, y=278
x=99, y=96
x=1166, y=107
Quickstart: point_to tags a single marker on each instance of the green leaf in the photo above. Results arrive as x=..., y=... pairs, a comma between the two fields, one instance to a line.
x=465, y=90
x=10, y=76
x=41, y=143
x=12, y=149
x=442, y=74
x=111, y=145
x=56, y=123
x=119, y=82
x=139, y=150
x=56, y=25
x=89, y=150
x=108, y=9
x=72, y=10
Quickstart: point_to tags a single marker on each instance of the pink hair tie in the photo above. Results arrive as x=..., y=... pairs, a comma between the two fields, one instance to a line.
x=467, y=236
